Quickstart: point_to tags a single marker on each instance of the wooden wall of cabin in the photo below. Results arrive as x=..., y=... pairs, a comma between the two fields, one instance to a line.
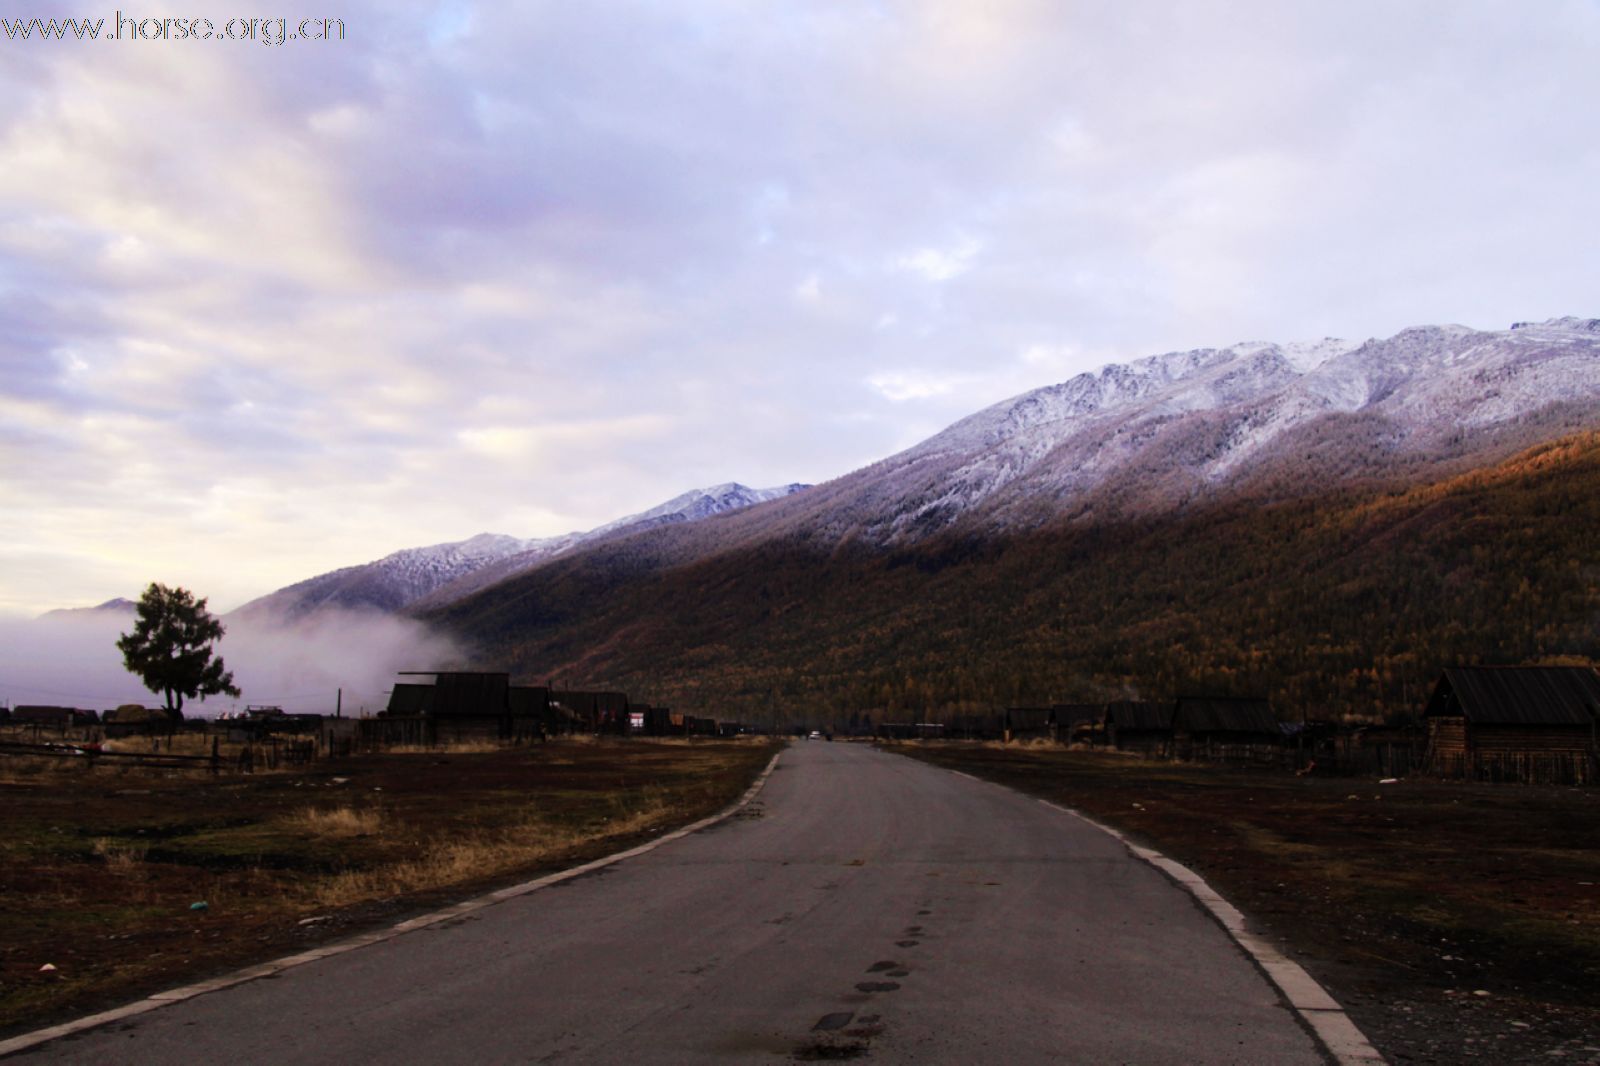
x=1510, y=739
x=1447, y=736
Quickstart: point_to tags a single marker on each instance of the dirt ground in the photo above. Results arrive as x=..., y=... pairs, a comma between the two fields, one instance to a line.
x=1454, y=921
x=119, y=882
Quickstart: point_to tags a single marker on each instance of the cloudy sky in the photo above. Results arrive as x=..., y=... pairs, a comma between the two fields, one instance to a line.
x=266, y=310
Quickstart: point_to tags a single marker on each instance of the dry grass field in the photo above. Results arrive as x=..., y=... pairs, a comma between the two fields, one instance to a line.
x=103, y=869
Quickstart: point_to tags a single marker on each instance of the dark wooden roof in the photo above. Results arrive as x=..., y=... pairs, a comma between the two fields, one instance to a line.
x=975, y=723
x=1129, y=715
x=407, y=699
x=1070, y=714
x=1215, y=714
x=458, y=693
x=1518, y=695
x=38, y=713
x=471, y=694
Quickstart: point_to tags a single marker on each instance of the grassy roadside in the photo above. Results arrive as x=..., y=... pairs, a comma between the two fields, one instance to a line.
x=1454, y=921
x=104, y=871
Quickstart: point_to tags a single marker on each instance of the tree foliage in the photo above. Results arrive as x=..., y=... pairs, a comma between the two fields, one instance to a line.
x=170, y=647
x=1343, y=601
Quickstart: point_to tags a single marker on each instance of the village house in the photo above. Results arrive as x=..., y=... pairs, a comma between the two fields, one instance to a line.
x=1203, y=722
x=1515, y=723
x=466, y=705
x=975, y=726
x=1028, y=723
x=1139, y=725
x=59, y=719
x=1078, y=722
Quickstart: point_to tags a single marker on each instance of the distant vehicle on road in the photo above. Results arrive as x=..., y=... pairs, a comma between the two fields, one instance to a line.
x=814, y=735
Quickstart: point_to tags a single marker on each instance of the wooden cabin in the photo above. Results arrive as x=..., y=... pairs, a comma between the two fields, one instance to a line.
x=646, y=720
x=1515, y=723
x=1028, y=723
x=463, y=705
x=409, y=700
x=1225, y=720
x=1080, y=722
x=581, y=705
x=59, y=719
x=612, y=709
x=458, y=694
x=531, y=703
x=1139, y=725
x=975, y=726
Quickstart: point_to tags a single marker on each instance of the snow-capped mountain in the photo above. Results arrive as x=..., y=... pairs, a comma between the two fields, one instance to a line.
x=692, y=506
x=1170, y=428
x=1163, y=432
x=1181, y=428
x=1254, y=498
x=407, y=576
x=697, y=504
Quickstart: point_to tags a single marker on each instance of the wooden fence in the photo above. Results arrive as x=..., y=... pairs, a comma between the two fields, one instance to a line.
x=270, y=753
x=93, y=755
x=1528, y=768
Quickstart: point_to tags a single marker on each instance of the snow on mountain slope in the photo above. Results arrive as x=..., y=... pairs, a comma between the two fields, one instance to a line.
x=692, y=506
x=1136, y=438
x=1169, y=429
x=407, y=576
x=1206, y=416
x=698, y=503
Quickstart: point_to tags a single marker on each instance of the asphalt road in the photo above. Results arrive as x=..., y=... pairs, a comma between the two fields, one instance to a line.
x=865, y=905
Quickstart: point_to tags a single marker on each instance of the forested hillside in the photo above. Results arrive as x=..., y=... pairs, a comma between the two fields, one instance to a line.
x=1347, y=602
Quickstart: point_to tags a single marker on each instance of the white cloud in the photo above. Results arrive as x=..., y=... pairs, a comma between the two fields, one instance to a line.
x=900, y=386
x=940, y=264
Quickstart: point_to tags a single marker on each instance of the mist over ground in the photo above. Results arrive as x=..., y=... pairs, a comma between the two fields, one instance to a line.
x=72, y=660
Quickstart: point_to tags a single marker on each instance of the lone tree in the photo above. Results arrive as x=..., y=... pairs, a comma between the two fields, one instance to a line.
x=170, y=647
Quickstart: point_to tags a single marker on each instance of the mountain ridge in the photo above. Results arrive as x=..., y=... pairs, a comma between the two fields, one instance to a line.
x=1342, y=602
x=411, y=575
x=117, y=606
x=1178, y=441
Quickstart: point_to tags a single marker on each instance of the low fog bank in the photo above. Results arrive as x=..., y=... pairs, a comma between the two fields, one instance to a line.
x=300, y=666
